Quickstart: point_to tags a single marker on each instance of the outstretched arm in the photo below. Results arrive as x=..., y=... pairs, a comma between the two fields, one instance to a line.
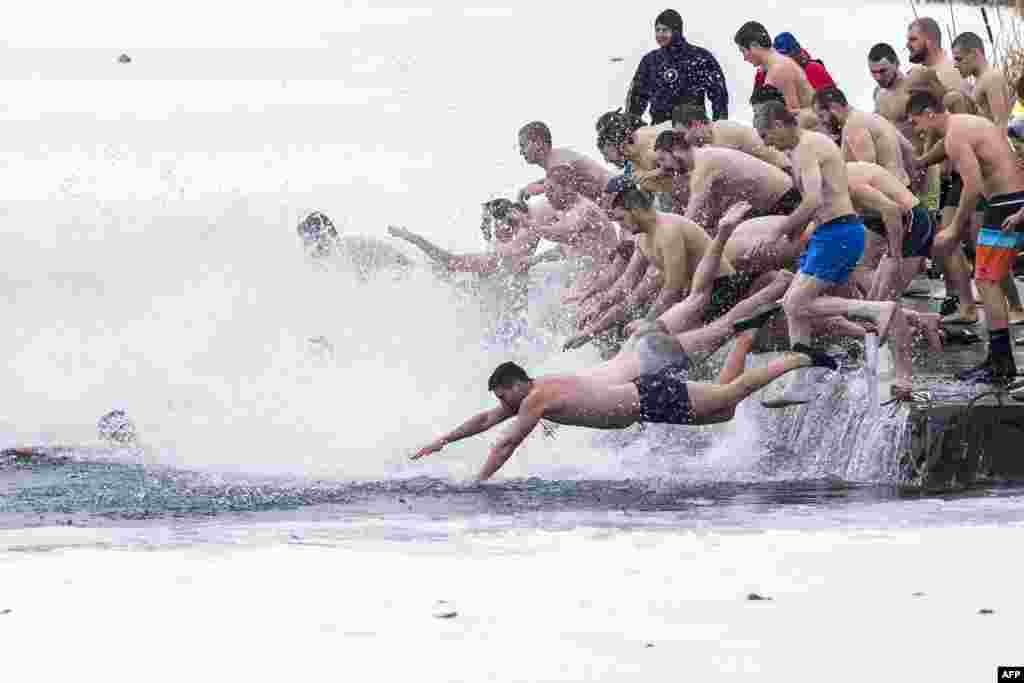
x=480, y=422
x=711, y=262
x=530, y=413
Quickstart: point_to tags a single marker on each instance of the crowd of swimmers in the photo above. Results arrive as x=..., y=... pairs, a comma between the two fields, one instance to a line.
x=807, y=225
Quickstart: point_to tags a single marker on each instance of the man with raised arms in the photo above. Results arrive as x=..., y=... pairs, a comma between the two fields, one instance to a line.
x=837, y=243
x=535, y=147
x=981, y=154
x=717, y=177
x=781, y=73
x=701, y=132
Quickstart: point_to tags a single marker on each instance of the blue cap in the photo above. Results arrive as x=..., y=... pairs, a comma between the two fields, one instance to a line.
x=620, y=184
x=786, y=43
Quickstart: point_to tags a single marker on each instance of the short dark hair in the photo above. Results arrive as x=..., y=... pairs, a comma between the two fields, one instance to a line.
x=830, y=95
x=505, y=375
x=669, y=139
x=753, y=33
x=929, y=27
x=883, y=51
x=500, y=208
x=969, y=41
x=634, y=198
x=685, y=114
x=617, y=128
x=921, y=100
x=770, y=113
x=536, y=130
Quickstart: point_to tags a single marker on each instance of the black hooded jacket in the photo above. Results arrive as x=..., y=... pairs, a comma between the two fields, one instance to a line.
x=676, y=74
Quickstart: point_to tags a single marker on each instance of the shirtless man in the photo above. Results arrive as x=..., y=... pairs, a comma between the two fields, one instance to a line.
x=669, y=249
x=924, y=43
x=510, y=220
x=864, y=136
x=535, y=146
x=897, y=225
x=781, y=72
x=701, y=132
x=626, y=142
x=991, y=92
x=992, y=100
x=837, y=243
x=590, y=239
x=982, y=156
x=718, y=177
x=662, y=395
x=954, y=262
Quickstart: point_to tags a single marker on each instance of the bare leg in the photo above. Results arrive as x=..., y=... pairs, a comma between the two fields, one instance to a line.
x=996, y=309
x=708, y=399
x=734, y=366
x=804, y=301
x=866, y=271
x=1015, y=308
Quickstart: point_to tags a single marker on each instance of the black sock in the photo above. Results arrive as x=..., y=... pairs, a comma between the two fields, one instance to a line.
x=999, y=344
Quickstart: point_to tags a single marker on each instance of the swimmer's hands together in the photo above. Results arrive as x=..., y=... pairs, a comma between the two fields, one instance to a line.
x=432, y=447
x=399, y=232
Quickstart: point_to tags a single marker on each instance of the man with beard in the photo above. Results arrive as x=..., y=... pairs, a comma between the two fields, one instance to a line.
x=924, y=43
x=693, y=122
x=676, y=72
x=988, y=167
x=535, y=147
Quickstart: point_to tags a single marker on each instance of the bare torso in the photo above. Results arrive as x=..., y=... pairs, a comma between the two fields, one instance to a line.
x=864, y=128
x=999, y=171
x=721, y=177
x=990, y=88
x=675, y=233
x=864, y=177
x=757, y=246
x=593, y=175
x=744, y=138
x=891, y=104
x=819, y=150
x=789, y=77
x=583, y=401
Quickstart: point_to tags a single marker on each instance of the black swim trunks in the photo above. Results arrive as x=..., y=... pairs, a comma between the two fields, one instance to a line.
x=726, y=292
x=951, y=189
x=664, y=397
x=919, y=235
x=785, y=205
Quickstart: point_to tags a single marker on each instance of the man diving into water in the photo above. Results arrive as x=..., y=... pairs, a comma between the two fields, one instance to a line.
x=647, y=382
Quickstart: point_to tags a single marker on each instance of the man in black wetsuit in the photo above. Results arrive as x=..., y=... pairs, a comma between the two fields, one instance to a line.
x=677, y=72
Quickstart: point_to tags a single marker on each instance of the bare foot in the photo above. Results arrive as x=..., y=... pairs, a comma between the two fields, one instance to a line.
x=965, y=315
x=1016, y=317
